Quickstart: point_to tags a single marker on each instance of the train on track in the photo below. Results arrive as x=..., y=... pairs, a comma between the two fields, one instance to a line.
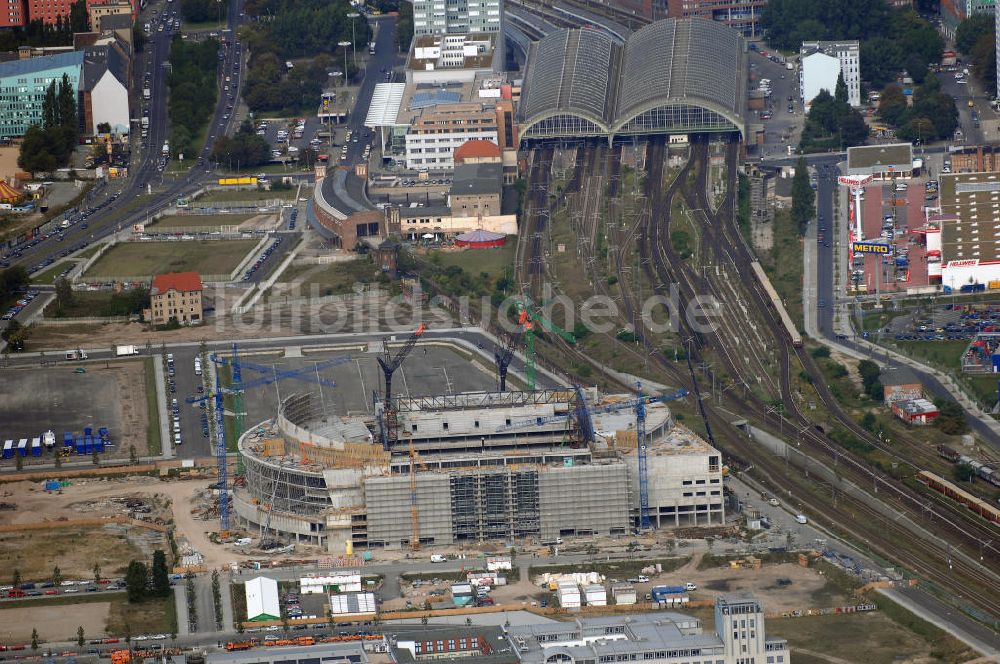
x=976, y=505
x=982, y=471
x=786, y=320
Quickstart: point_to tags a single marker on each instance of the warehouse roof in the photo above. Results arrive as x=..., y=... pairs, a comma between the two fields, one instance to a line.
x=476, y=179
x=868, y=156
x=673, y=63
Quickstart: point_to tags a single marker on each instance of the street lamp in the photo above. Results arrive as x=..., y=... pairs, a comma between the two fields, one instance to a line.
x=345, y=44
x=354, y=39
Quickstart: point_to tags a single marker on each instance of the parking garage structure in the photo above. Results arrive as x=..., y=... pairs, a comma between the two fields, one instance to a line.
x=675, y=76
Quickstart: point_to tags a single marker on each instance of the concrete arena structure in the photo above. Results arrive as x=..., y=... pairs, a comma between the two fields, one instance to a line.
x=326, y=480
x=672, y=76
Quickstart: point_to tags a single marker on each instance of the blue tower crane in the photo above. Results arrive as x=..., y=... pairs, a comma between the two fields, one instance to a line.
x=237, y=390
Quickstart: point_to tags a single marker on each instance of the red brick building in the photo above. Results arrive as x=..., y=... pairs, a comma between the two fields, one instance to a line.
x=740, y=15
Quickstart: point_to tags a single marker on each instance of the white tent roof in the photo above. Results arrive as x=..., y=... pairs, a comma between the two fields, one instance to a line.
x=384, y=108
x=262, y=598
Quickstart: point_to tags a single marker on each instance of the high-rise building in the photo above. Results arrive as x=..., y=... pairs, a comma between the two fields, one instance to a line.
x=439, y=17
x=740, y=15
x=13, y=14
x=823, y=62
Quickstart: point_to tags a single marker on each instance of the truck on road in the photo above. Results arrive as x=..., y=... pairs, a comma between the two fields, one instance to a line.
x=122, y=351
x=146, y=94
x=76, y=355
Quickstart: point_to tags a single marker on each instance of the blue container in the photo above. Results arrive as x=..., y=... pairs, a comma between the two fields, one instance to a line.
x=81, y=445
x=36, y=448
x=52, y=485
x=67, y=439
x=88, y=431
x=103, y=433
x=99, y=445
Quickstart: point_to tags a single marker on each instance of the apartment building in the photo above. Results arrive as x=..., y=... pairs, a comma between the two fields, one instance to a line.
x=176, y=295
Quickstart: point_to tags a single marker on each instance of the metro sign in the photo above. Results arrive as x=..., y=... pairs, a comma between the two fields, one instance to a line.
x=870, y=248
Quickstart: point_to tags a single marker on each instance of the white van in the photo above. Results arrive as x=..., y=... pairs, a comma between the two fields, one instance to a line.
x=801, y=518
x=438, y=558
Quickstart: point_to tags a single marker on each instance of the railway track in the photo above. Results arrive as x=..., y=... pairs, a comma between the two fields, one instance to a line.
x=852, y=516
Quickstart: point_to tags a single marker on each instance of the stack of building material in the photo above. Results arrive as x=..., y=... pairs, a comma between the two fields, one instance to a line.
x=461, y=594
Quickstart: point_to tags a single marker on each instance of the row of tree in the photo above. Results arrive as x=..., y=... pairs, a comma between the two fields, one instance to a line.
x=891, y=40
x=49, y=146
x=976, y=38
x=832, y=124
x=202, y=11
x=193, y=91
x=243, y=149
x=931, y=116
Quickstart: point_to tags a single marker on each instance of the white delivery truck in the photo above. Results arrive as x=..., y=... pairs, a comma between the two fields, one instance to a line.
x=146, y=94
x=76, y=355
x=122, y=351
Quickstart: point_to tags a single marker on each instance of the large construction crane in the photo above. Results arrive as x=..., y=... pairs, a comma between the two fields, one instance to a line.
x=236, y=390
x=637, y=404
x=390, y=362
x=529, y=316
x=505, y=353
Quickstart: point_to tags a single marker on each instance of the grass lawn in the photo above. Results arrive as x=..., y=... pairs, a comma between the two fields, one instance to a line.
x=154, y=443
x=84, y=304
x=75, y=550
x=943, y=354
x=877, y=638
x=89, y=251
x=784, y=264
x=154, y=616
x=146, y=258
x=202, y=220
x=49, y=276
x=332, y=279
x=236, y=195
x=475, y=261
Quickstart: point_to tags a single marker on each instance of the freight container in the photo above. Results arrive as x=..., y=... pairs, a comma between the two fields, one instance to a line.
x=103, y=433
x=596, y=595
x=81, y=445
x=49, y=439
x=569, y=595
x=99, y=446
x=22, y=447
x=623, y=593
x=8, y=449
x=993, y=285
x=67, y=439
x=88, y=431
x=121, y=351
x=36, y=447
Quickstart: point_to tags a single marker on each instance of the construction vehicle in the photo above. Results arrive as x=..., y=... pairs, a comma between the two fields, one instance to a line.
x=232, y=646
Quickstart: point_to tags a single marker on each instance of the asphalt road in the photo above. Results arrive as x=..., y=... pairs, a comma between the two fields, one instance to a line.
x=144, y=169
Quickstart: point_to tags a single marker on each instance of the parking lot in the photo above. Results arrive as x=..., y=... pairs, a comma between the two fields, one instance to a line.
x=893, y=214
x=59, y=399
x=946, y=322
x=291, y=143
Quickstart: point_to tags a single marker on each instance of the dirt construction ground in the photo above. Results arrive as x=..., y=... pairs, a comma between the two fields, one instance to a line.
x=35, y=400
x=55, y=622
x=35, y=505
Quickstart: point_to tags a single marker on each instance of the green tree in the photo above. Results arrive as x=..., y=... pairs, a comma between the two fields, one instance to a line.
x=64, y=293
x=971, y=30
x=95, y=458
x=49, y=110
x=951, y=419
x=404, y=26
x=34, y=638
x=161, y=577
x=79, y=636
x=984, y=63
x=892, y=105
x=803, y=196
x=79, y=21
x=16, y=579
x=136, y=581
x=57, y=576
x=35, y=154
x=963, y=472
x=840, y=90
x=97, y=572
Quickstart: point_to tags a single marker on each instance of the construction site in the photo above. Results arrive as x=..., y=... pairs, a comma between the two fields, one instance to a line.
x=519, y=467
